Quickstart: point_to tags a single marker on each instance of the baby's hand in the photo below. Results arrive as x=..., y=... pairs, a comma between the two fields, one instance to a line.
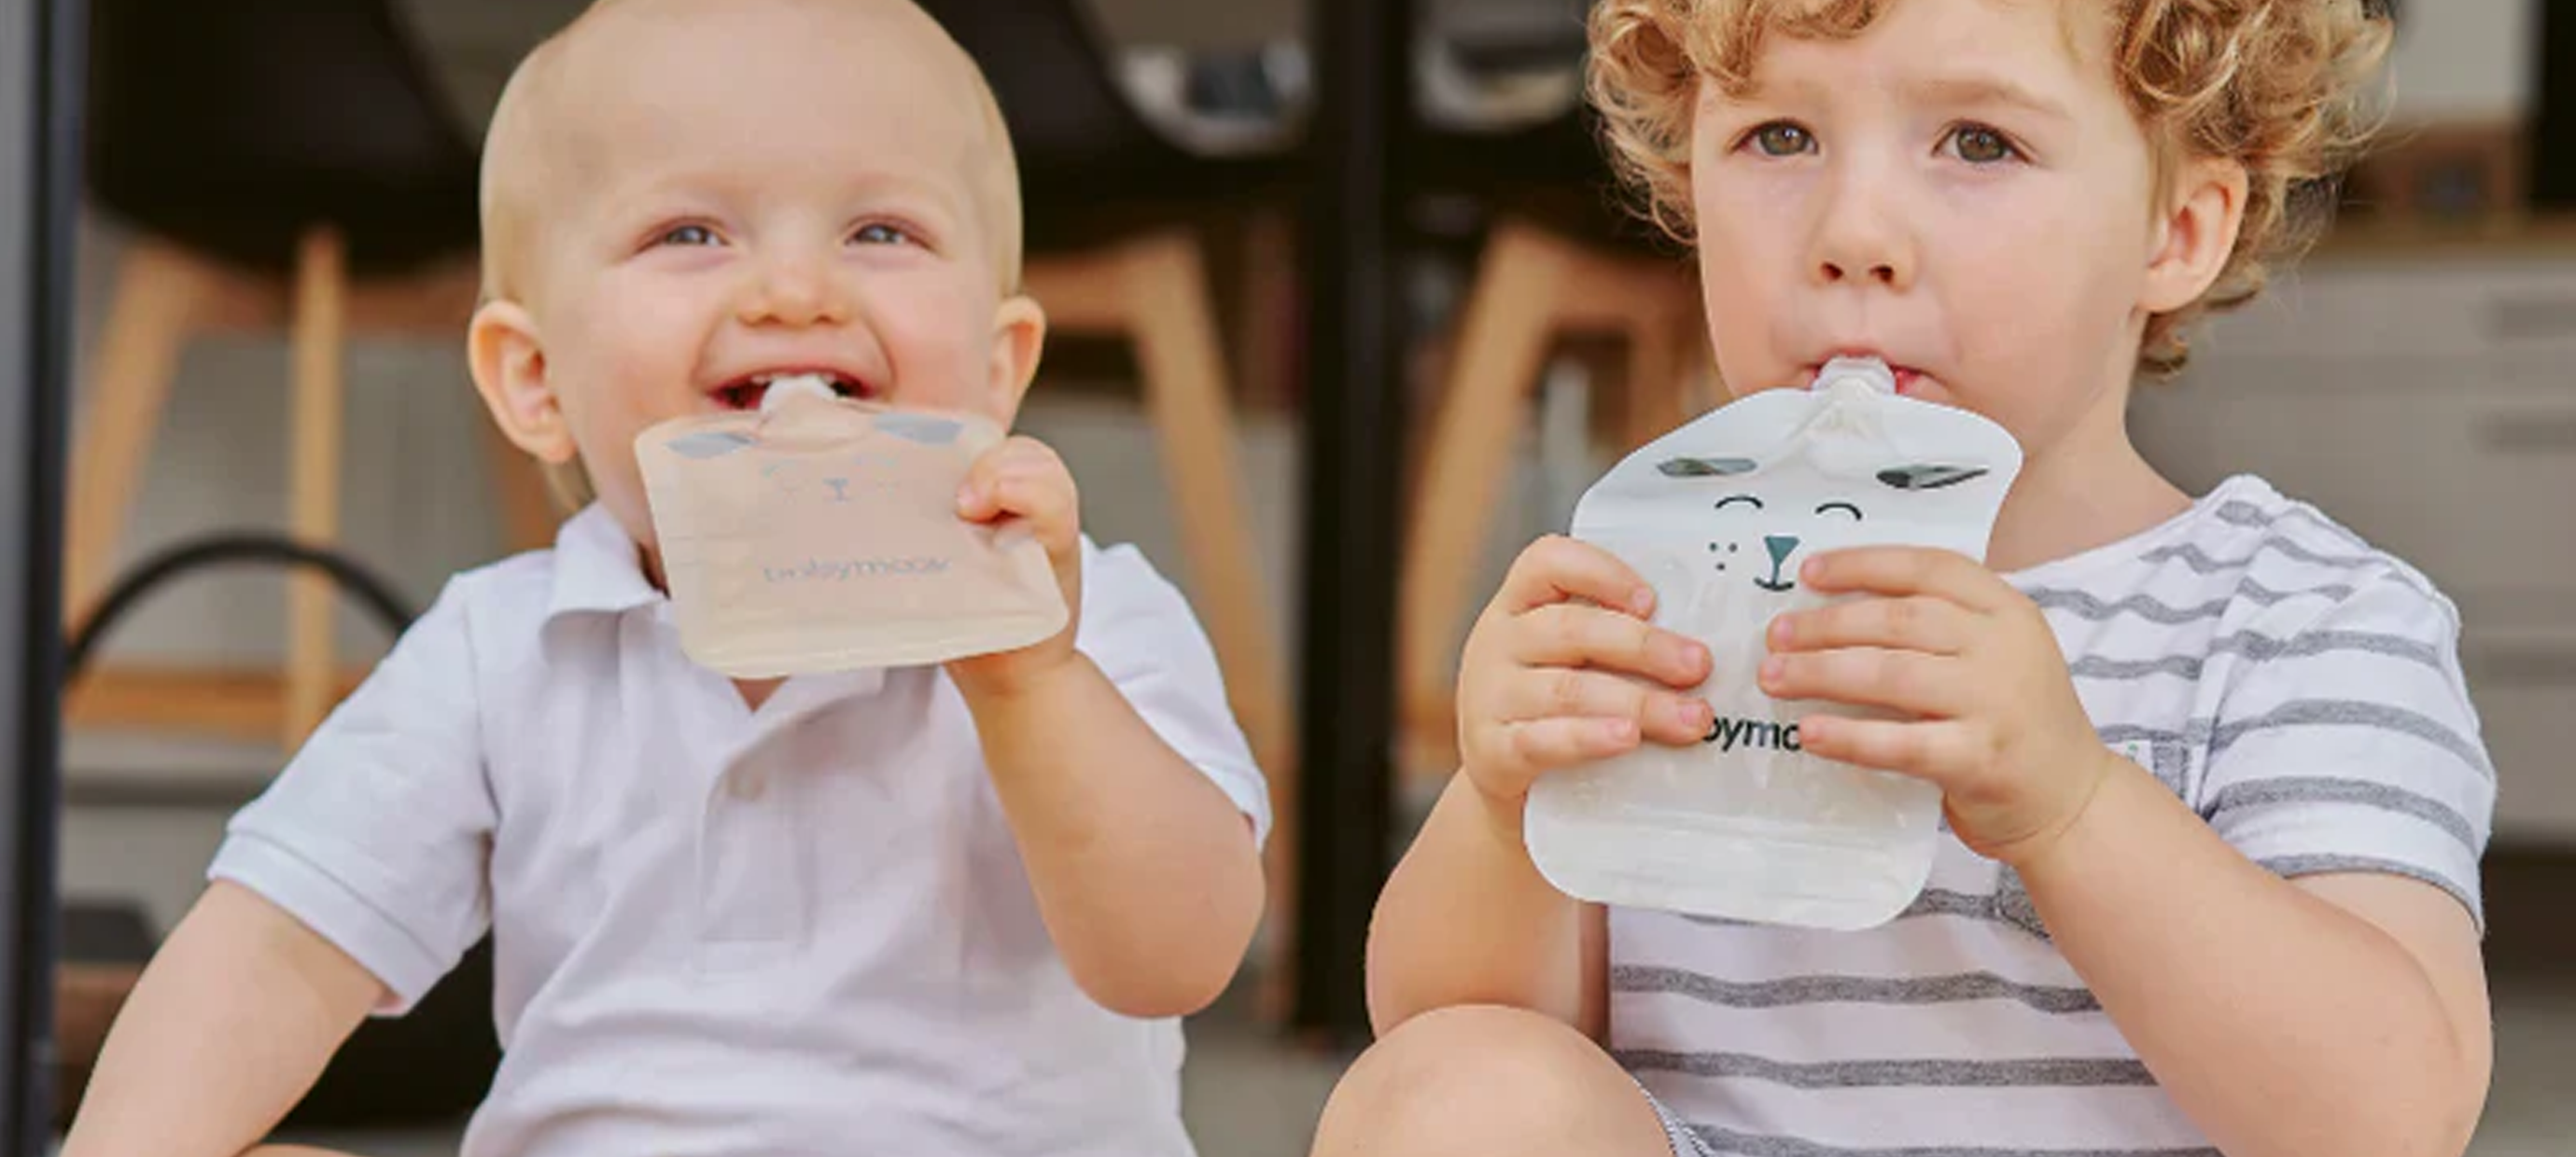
x=1996, y=722
x=1021, y=485
x=1563, y=669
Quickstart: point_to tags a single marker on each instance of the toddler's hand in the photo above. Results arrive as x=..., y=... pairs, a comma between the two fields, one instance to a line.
x=1995, y=720
x=1021, y=485
x=1563, y=669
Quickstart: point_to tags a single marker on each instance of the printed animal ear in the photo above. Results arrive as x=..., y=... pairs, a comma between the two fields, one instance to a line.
x=1704, y=467
x=1928, y=477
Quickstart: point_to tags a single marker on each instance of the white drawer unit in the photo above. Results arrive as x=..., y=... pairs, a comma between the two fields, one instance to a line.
x=2429, y=404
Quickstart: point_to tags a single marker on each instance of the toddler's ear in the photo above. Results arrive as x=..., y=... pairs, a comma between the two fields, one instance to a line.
x=509, y=365
x=2196, y=234
x=1019, y=334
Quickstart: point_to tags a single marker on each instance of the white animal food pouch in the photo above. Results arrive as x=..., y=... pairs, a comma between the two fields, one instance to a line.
x=822, y=535
x=1717, y=517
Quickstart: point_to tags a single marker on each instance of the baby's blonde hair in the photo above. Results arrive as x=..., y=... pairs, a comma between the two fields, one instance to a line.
x=2277, y=86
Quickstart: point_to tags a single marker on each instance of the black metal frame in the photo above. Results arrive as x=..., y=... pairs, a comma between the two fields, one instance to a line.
x=34, y=423
x=1355, y=420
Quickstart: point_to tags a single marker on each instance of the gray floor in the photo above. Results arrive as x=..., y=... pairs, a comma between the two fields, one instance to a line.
x=1247, y=1096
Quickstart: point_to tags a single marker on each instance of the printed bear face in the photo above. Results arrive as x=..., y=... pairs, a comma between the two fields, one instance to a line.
x=1760, y=540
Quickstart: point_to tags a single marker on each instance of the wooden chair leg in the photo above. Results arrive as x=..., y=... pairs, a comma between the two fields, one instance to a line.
x=1185, y=387
x=1503, y=338
x=528, y=516
x=1658, y=385
x=160, y=294
x=321, y=296
x=1174, y=324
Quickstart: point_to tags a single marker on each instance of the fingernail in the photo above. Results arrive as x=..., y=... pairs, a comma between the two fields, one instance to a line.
x=1643, y=601
x=1619, y=730
x=1781, y=631
x=966, y=495
x=1690, y=714
x=1773, y=668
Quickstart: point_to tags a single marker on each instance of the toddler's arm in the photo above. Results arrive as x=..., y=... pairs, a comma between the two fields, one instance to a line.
x=231, y=1023
x=2335, y=1014
x=1562, y=668
x=2343, y=1013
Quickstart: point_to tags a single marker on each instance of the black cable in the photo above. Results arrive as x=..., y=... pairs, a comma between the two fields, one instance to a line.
x=371, y=590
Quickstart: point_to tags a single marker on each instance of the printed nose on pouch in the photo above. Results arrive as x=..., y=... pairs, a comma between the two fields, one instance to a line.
x=1780, y=546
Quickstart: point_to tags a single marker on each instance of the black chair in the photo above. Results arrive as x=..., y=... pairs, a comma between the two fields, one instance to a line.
x=1114, y=211
x=283, y=164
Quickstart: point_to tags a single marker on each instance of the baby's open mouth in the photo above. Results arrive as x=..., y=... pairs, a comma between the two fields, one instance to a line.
x=746, y=392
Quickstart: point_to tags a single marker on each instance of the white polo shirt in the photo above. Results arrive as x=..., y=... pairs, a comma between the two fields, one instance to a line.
x=801, y=929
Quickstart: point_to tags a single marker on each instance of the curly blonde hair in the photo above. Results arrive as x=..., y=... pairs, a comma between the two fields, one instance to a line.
x=2275, y=85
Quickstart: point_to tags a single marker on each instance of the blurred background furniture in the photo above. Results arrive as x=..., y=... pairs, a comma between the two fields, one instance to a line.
x=290, y=169
x=1560, y=255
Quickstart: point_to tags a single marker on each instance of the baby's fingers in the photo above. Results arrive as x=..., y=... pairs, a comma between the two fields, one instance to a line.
x=1569, y=635
x=1567, y=693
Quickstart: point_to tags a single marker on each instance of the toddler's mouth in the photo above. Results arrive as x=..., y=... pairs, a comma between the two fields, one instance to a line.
x=746, y=392
x=1909, y=381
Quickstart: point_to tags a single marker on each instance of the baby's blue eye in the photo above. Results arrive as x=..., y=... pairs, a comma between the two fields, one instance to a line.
x=688, y=235
x=1782, y=139
x=881, y=234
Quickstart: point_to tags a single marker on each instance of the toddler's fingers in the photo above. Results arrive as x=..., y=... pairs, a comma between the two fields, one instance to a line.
x=1906, y=681
x=1569, y=635
x=1940, y=750
x=1553, y=743
x=1920, y=623
x=1565, y=692
x=1555, y=569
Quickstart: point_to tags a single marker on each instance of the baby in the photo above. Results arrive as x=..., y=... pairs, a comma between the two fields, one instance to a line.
x=2214, y=787
x=911, y=911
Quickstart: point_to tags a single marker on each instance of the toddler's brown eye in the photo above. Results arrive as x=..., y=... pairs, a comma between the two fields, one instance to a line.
x=1981, y=146
x=881, y=235
x=1782, y=139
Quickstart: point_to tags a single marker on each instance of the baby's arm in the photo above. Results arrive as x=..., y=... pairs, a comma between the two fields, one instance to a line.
x=1145, y=872
x=228, y=1028
x=2334, y=1014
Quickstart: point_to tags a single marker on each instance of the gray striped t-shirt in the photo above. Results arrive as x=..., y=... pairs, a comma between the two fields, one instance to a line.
x=2298, y=688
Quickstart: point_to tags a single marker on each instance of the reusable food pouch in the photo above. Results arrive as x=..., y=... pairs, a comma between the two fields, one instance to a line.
x=822, y=535
x=1717, y=517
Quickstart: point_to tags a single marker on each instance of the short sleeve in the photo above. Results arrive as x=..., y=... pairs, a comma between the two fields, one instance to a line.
x=377, y=834
x=2349, y=744
x=1140, y=632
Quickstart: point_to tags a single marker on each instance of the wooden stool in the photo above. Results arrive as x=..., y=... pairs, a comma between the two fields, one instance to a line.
x=1153, y=291
x=165, y=296
x=1532, y=289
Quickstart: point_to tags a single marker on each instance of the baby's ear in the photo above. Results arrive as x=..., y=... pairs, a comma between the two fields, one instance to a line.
x=509, y=365
x=2195, y=236
x=1019, y=335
